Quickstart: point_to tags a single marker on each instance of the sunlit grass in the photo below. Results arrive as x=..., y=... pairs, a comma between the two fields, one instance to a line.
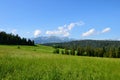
x=39, y=63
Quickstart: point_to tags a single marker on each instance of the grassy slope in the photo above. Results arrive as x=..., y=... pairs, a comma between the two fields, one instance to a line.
x=38, y=63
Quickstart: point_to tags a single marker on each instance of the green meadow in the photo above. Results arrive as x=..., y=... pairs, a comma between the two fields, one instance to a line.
x=40, y=63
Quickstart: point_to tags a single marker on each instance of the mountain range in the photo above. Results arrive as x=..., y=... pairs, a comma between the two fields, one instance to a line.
x=51, y=39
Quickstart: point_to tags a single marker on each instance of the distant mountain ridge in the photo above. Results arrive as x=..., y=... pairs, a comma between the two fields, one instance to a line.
x=51, y=39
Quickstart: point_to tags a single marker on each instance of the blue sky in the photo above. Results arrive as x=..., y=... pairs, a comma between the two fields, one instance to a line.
x=79, y=19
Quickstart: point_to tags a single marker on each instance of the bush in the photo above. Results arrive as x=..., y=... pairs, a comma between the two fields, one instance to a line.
x=56, y=51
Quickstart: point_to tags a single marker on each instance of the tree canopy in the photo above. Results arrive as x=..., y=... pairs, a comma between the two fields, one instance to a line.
x=10, y=39
x=95, y=48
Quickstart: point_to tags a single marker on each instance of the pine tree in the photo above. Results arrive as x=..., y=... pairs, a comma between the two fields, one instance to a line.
x=118, y=52
x=72, y=52
x=66, y=52
x=11, y=39
x=56, y=51
x=79, y=52
x=62, y=52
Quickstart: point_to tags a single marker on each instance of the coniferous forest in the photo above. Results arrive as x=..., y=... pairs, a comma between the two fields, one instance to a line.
x=94, y=48
x=10, y=39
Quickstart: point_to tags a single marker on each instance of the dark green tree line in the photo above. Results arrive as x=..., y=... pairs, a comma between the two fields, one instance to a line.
x=93, y=52
x=10, y=39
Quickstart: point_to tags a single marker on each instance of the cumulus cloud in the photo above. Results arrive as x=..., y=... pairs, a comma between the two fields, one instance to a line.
x=89, y=32
x=37, y=33
x=65, y=29
x=58, y=32
x=66, y=34
x=106, y=30
x=52, y=32
x=71, y=25
x=94, y=32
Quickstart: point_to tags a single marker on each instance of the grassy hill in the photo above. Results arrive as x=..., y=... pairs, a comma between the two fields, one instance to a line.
x=39, y=63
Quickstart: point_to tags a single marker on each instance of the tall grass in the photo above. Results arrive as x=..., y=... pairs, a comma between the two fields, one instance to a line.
x=41, y=64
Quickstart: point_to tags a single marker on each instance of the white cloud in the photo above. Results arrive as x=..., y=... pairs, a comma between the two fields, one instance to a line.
x=64, y=30
x=37, y=33
x=14, y=31
x=52, y=32
x=66, y=34
x=106, y=30
x=71, y=25
x=89, y=33
x=94, y=32
x=58, y=32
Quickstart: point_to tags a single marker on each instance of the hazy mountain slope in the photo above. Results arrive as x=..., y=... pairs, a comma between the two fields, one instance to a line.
x=51, y=39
